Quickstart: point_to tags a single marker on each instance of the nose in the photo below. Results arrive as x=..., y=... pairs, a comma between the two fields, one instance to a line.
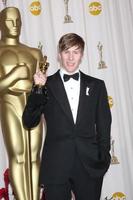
x=71, y=56
x=15, y=23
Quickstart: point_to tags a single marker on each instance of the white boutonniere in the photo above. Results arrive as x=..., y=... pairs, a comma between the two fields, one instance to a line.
x=87, y=91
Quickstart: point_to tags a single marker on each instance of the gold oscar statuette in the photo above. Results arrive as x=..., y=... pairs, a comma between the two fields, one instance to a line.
x=43, y=66
x=101, y=63
x=114, y=159
x=17, y=67
x=67, y=17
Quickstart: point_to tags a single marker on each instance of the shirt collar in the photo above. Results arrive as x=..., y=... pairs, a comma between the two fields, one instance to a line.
x=63, y=71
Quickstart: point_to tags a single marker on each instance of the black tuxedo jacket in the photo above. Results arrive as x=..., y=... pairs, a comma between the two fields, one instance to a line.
x=89, y=138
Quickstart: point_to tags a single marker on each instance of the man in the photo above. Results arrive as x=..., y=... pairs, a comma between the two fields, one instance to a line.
x=17, y=66
x=76, y=149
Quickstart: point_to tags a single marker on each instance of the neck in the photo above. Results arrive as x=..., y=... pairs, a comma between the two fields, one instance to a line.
x=10, y=41
x=66, y=72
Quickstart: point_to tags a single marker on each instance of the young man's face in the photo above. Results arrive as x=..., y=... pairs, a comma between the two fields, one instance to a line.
x=71, y=58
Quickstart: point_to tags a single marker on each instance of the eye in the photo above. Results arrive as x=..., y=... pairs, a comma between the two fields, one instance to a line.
x=66, y=51
x=76, y=52
x=9, y=23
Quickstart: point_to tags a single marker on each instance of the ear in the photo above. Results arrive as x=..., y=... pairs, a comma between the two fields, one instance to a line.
x=58, y=57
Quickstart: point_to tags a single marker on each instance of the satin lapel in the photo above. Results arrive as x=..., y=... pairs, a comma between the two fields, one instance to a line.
x=85, y=82
x=58, y=90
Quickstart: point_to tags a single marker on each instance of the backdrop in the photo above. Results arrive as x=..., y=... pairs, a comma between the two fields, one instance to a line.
x=107, y=27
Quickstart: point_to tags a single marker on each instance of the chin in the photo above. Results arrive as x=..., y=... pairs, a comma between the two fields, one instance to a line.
x=71, y=70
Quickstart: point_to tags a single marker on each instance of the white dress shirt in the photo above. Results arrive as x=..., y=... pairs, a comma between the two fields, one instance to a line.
x=72, y=88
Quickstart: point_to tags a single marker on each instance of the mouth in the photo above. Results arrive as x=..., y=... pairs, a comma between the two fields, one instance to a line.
x=70, y=64
x=14, y=32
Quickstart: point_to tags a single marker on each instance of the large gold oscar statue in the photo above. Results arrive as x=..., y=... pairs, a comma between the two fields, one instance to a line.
x=17, y=65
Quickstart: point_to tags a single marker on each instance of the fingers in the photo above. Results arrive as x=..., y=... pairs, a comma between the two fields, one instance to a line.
x=40, y=78
x=45, y=58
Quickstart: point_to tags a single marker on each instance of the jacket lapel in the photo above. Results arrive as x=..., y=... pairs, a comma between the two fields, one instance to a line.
x=57, y=88
x=85, y=88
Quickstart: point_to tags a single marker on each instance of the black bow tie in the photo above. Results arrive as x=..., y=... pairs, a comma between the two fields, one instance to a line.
x=75, y=76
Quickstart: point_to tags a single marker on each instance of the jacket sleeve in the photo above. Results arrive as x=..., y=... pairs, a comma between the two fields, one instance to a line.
x=103, y=124
x=34, y=108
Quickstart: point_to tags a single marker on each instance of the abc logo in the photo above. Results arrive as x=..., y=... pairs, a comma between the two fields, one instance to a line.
x=95, y=8
x=35, y=8
x=119, y=196
x=110, y=100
